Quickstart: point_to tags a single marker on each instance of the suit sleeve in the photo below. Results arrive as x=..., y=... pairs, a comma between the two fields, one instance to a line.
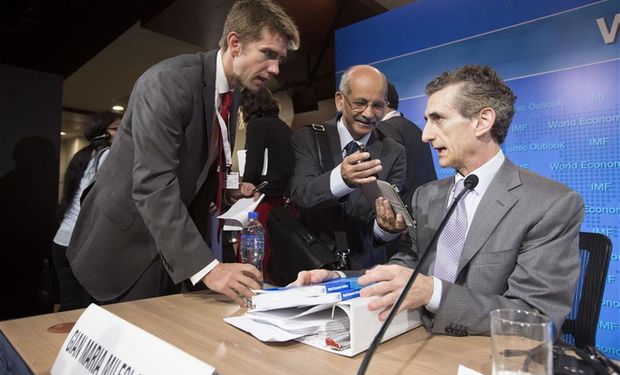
x=163, y=109
x=309, y=187
x=543, y=279
x=406, y=253
x=397, y=176
x=398, y=172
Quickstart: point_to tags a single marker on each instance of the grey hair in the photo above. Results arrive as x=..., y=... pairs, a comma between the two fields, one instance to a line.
x=481, y=87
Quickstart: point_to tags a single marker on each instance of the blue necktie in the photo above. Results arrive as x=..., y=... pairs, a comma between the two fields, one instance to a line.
x=350, y=148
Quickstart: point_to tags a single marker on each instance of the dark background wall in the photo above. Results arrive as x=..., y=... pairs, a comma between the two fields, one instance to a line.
x=30, y=105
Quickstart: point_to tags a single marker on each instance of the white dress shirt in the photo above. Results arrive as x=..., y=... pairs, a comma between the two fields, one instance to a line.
x=63, y=235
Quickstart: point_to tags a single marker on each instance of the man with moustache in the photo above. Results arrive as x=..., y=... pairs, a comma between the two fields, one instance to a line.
x=333, y=199
x=142, y=227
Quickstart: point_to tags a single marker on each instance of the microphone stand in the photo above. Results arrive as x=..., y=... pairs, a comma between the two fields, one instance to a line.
x=470, y=183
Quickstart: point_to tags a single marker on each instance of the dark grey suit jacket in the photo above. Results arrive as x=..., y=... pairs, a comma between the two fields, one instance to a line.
x=420, y=167
x=521, y=251
x=162, y=156
x=310, y=190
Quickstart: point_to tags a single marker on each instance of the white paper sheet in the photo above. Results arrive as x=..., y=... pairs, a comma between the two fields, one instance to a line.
x=241, y=161
x=237, y=216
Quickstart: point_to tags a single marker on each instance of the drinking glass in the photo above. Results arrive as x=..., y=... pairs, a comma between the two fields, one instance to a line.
x=522, y=342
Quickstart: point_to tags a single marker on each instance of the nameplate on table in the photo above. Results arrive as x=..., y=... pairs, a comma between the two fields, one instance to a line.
x=102, y=343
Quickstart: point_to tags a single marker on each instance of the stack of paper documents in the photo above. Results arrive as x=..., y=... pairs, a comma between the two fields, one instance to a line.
x=325, y=316
x=290, y=324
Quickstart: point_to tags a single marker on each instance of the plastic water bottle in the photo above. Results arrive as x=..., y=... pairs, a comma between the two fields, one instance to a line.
x=252, y=245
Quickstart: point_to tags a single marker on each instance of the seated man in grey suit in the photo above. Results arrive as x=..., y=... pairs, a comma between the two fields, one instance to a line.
x=519, y=232
x=142, y=226
x=331, y=199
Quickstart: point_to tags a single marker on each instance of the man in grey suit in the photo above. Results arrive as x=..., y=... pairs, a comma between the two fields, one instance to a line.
x=520, y=237
x=332, y=200
x=143, y=224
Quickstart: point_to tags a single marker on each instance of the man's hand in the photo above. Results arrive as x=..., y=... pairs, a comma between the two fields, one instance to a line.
x=234, y=280
x=245, y=190
x=389, y=282
x=355, y=171
x=314, y=277
x=386, y=219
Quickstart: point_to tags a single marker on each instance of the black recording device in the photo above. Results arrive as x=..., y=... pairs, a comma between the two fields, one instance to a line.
x=470, y=183
x=363, y=148
x=587, y=361
x=260, y=187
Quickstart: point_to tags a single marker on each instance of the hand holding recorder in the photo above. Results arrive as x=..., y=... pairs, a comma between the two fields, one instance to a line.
x=358, y=168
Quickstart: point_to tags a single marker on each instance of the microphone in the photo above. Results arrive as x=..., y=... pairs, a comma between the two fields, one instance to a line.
x=470, y=183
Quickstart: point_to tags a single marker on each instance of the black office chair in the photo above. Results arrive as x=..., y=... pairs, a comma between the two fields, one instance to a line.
x=580, y=326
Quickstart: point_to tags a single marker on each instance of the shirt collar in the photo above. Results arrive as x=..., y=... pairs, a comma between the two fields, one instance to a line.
x=485, y=173
x=392, y=113
x=221, y=83
x=345, y=136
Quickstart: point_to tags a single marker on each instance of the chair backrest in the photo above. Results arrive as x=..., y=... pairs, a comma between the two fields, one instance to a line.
x=580, y=327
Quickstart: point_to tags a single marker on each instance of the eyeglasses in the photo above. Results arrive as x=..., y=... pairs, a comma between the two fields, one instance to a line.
x=360, y=105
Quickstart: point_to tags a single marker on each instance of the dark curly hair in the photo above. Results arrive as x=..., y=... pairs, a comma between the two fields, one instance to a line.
x=259, y=104
x=481, y=88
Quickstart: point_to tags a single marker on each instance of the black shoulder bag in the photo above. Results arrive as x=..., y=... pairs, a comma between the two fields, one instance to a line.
x=294, y=247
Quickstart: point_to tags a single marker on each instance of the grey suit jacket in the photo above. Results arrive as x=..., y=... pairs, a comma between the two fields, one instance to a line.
x=521, y=251
x=310, y=190
x=162, y=156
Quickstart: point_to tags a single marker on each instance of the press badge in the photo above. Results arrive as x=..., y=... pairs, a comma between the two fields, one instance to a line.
x=232, y=180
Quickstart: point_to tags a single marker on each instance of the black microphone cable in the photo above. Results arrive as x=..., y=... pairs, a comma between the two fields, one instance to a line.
x=470, y=183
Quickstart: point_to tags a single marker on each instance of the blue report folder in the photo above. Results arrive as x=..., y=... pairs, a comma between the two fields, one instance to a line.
x=329, y=292
x=329, y=286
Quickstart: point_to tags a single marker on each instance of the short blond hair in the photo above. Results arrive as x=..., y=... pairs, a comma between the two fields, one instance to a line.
x=248, y=18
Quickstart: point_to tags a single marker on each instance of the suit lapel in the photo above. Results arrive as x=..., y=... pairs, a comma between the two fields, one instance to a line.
x=375, y=148
x=208, y=80
x=331, y=128
x=437, y=206
x=434, y=203
x=495, y=203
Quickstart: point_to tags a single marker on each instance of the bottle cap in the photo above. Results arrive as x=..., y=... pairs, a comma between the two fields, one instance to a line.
x=253, y=215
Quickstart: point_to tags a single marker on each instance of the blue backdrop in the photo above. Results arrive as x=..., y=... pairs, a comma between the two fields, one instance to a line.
x=562, y=63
